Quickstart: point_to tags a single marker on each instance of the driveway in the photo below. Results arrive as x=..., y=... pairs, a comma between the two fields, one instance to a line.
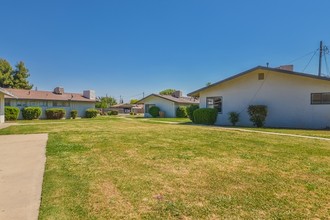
x=22, y=163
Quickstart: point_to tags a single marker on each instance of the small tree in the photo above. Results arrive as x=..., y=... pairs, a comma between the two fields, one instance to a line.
x=181, y=112
x=233, y=117
x=190, y=111
x=258, y=114
x=154, y=111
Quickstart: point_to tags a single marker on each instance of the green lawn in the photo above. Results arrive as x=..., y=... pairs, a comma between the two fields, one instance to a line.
x=118, y=168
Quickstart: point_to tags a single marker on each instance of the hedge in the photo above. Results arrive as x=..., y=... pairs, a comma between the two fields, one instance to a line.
x=113, y=112
x=154, y=111
x=73, y=114
x=30, y=113
x=91, y=113
x=55, y=113
x=190, y=111
x=206, y=116
x=181, y=112
x=11, y=113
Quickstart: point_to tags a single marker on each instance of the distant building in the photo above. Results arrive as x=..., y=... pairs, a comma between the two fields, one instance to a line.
x=167, y=103
x=51, y=99
x=294, y=100
x=127, y=108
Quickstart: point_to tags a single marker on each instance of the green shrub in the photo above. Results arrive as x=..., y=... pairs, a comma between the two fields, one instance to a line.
x=55, y=113
x=206, y=116
x=91, y=113
x=113, y=112
x=190, y=111
x=233, y=117
x=154, y=111
x=30, y=113
x=181, y=112
x=258, y=114
x=11, y=113
x=73, y=114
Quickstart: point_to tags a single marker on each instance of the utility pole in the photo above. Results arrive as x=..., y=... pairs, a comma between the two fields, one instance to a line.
x=143, y=94
x=320, y=58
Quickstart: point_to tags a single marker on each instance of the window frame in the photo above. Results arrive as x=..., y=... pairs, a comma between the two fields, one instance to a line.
x=220, y=105
x=322, y=102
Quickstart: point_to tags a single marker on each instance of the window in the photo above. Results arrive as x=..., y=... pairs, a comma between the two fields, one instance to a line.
x=147, y=107
x=33, y=103
x=261, y=76
x=320, y=98
x=214, y=102
x=60, y=104
x=43, y=103
x=7, y=102
x=21, y=103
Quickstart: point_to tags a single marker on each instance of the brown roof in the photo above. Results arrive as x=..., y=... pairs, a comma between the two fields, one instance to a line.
x=46, y=95
x=181, y=100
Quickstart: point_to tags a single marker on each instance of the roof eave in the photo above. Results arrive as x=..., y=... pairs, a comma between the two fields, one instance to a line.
x=196, y=92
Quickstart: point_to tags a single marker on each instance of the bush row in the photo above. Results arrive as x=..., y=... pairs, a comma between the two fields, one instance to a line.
x=257, y=113
x=30, y=113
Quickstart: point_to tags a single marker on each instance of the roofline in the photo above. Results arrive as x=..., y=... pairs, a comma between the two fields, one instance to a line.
x=87, y=100
x=262, y=68
x=160, y=96
x=4, y=91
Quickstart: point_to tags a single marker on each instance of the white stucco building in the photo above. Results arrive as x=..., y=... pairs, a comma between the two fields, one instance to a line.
x=3, y=93
x=51, y=99
x=294, y=100
x=167, y=103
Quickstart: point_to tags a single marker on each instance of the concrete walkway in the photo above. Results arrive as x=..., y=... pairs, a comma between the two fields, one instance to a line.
x=22, y=163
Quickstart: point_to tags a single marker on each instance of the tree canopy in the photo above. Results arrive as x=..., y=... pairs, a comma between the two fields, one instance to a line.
x=167, y=92
x=105, y=102
x=133, y=101
x=17, y=78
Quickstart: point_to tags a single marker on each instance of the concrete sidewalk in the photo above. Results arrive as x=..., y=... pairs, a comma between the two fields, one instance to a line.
x=22, y=163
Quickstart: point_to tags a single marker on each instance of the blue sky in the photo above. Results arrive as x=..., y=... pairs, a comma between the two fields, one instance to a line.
x=126, y=47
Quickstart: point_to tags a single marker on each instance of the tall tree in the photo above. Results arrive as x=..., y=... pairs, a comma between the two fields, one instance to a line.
x=6, y=78
x=20, y=75
x=167, y=92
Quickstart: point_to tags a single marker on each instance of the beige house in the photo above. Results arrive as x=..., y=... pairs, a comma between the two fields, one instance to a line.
x=294, y=100
x=52, y=99
x=167, y=103
x=3, y=93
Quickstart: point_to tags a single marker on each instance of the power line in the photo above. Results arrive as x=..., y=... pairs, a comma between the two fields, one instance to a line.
x=326, y=52
x=310, y=60
x=301, y=57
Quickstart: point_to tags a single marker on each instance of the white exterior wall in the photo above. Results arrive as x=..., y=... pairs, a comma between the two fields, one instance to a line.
x=79, y=106
x=288, y=98
x=165, y=105
x=2, y=108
